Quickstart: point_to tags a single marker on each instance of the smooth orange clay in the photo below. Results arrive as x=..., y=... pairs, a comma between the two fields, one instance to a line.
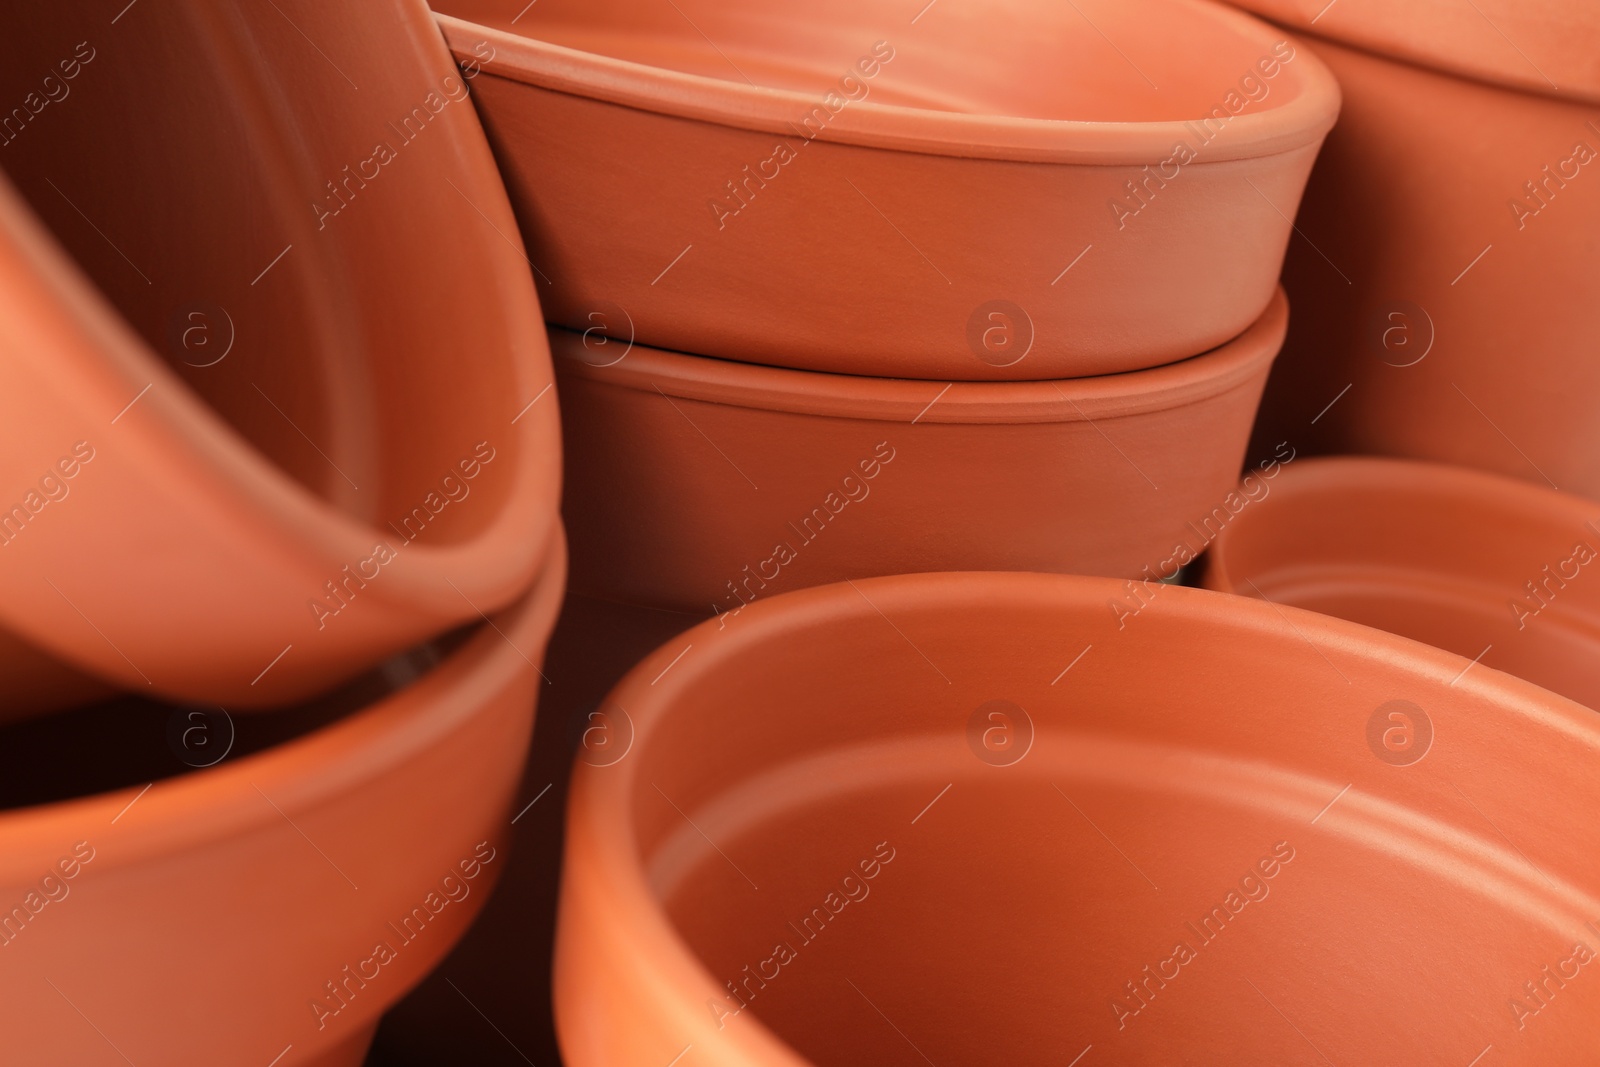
x=701, y=484
x=1445, y=289
x=274, y=904
x=1487, y=567
x=1007, y=190
x=967, y=819
x=271, y=350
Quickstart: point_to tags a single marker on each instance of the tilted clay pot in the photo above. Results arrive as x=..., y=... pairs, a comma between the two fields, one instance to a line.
x=966, y=819
x=1012, y=190
x=269, y=347
x=701, y=484
x=271, y=905
x=1445, y=291
x=1487, y=567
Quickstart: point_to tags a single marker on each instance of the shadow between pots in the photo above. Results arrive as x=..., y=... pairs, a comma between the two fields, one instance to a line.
x=488, y=1003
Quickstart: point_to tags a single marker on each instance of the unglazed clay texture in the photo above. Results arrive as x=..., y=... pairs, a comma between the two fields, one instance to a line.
x=727, y=533
x=843, y=190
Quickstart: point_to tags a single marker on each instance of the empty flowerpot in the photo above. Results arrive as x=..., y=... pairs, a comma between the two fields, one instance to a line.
x=701, y=484
x=1488, y=567
x=269, y=402
x=271, y=906
x=1446, y=286
x=1016, y=190
x=964, y=819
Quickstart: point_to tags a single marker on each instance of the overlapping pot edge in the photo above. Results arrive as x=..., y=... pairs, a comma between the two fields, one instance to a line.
x=225, y=801
x=1107, y=396
x=51, y=298
x=1304, y=121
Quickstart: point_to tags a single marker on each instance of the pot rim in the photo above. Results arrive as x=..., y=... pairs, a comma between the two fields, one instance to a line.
x=767, y=388
x=192, y=811
x=1418, y=46
x=1415, y=484
x=1304, y=120
x=599, y=808
x=48, y=304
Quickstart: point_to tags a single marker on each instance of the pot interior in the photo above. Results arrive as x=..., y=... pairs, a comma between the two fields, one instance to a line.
x=1511, y=579
x=264, y=195
x=892, y=839
x=1096, y=60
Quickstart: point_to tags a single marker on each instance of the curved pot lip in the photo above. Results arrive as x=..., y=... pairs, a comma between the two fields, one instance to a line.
x=601, y=797
x=766, y=388
x=96, y=355
x=1408, y=42
x=1304, y=120
x=1415, y=485
x=225, y=802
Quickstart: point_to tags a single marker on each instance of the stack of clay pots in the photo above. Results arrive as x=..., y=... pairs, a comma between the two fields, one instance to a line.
x=867, y=291
x=914, y=365
x=276, y=470
x=843, y=292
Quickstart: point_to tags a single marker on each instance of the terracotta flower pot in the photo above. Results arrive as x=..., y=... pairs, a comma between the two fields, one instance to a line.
x=272, y=905
x=1529, y=44
x=500, y=972
x=1487, y=567
x=270, y=422
x=1016, y=190
x=701, y=484
x=1445, y=292
x=961, y=819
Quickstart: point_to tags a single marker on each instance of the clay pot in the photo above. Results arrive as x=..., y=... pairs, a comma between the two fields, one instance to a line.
x=1444, y=295
x=1487, y=567
x=1540, y=45
x=246, y=457
x=700, y=484
x=1020, y=190
x=501, y=968
x=272, y=905
x=965, y=819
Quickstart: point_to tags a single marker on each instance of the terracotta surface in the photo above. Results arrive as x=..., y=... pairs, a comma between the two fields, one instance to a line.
x=1487, y=567
x=701, y=484
x=275, y=904
x=993, y=191
x=234, y=368
x=34, y=683
x=915, y=821
x=1548, y=46
x=488, y=1003
x=1442, y=310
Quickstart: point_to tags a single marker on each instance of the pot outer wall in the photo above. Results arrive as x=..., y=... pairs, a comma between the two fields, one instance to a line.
x=700, y=505
x=1443, y=311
